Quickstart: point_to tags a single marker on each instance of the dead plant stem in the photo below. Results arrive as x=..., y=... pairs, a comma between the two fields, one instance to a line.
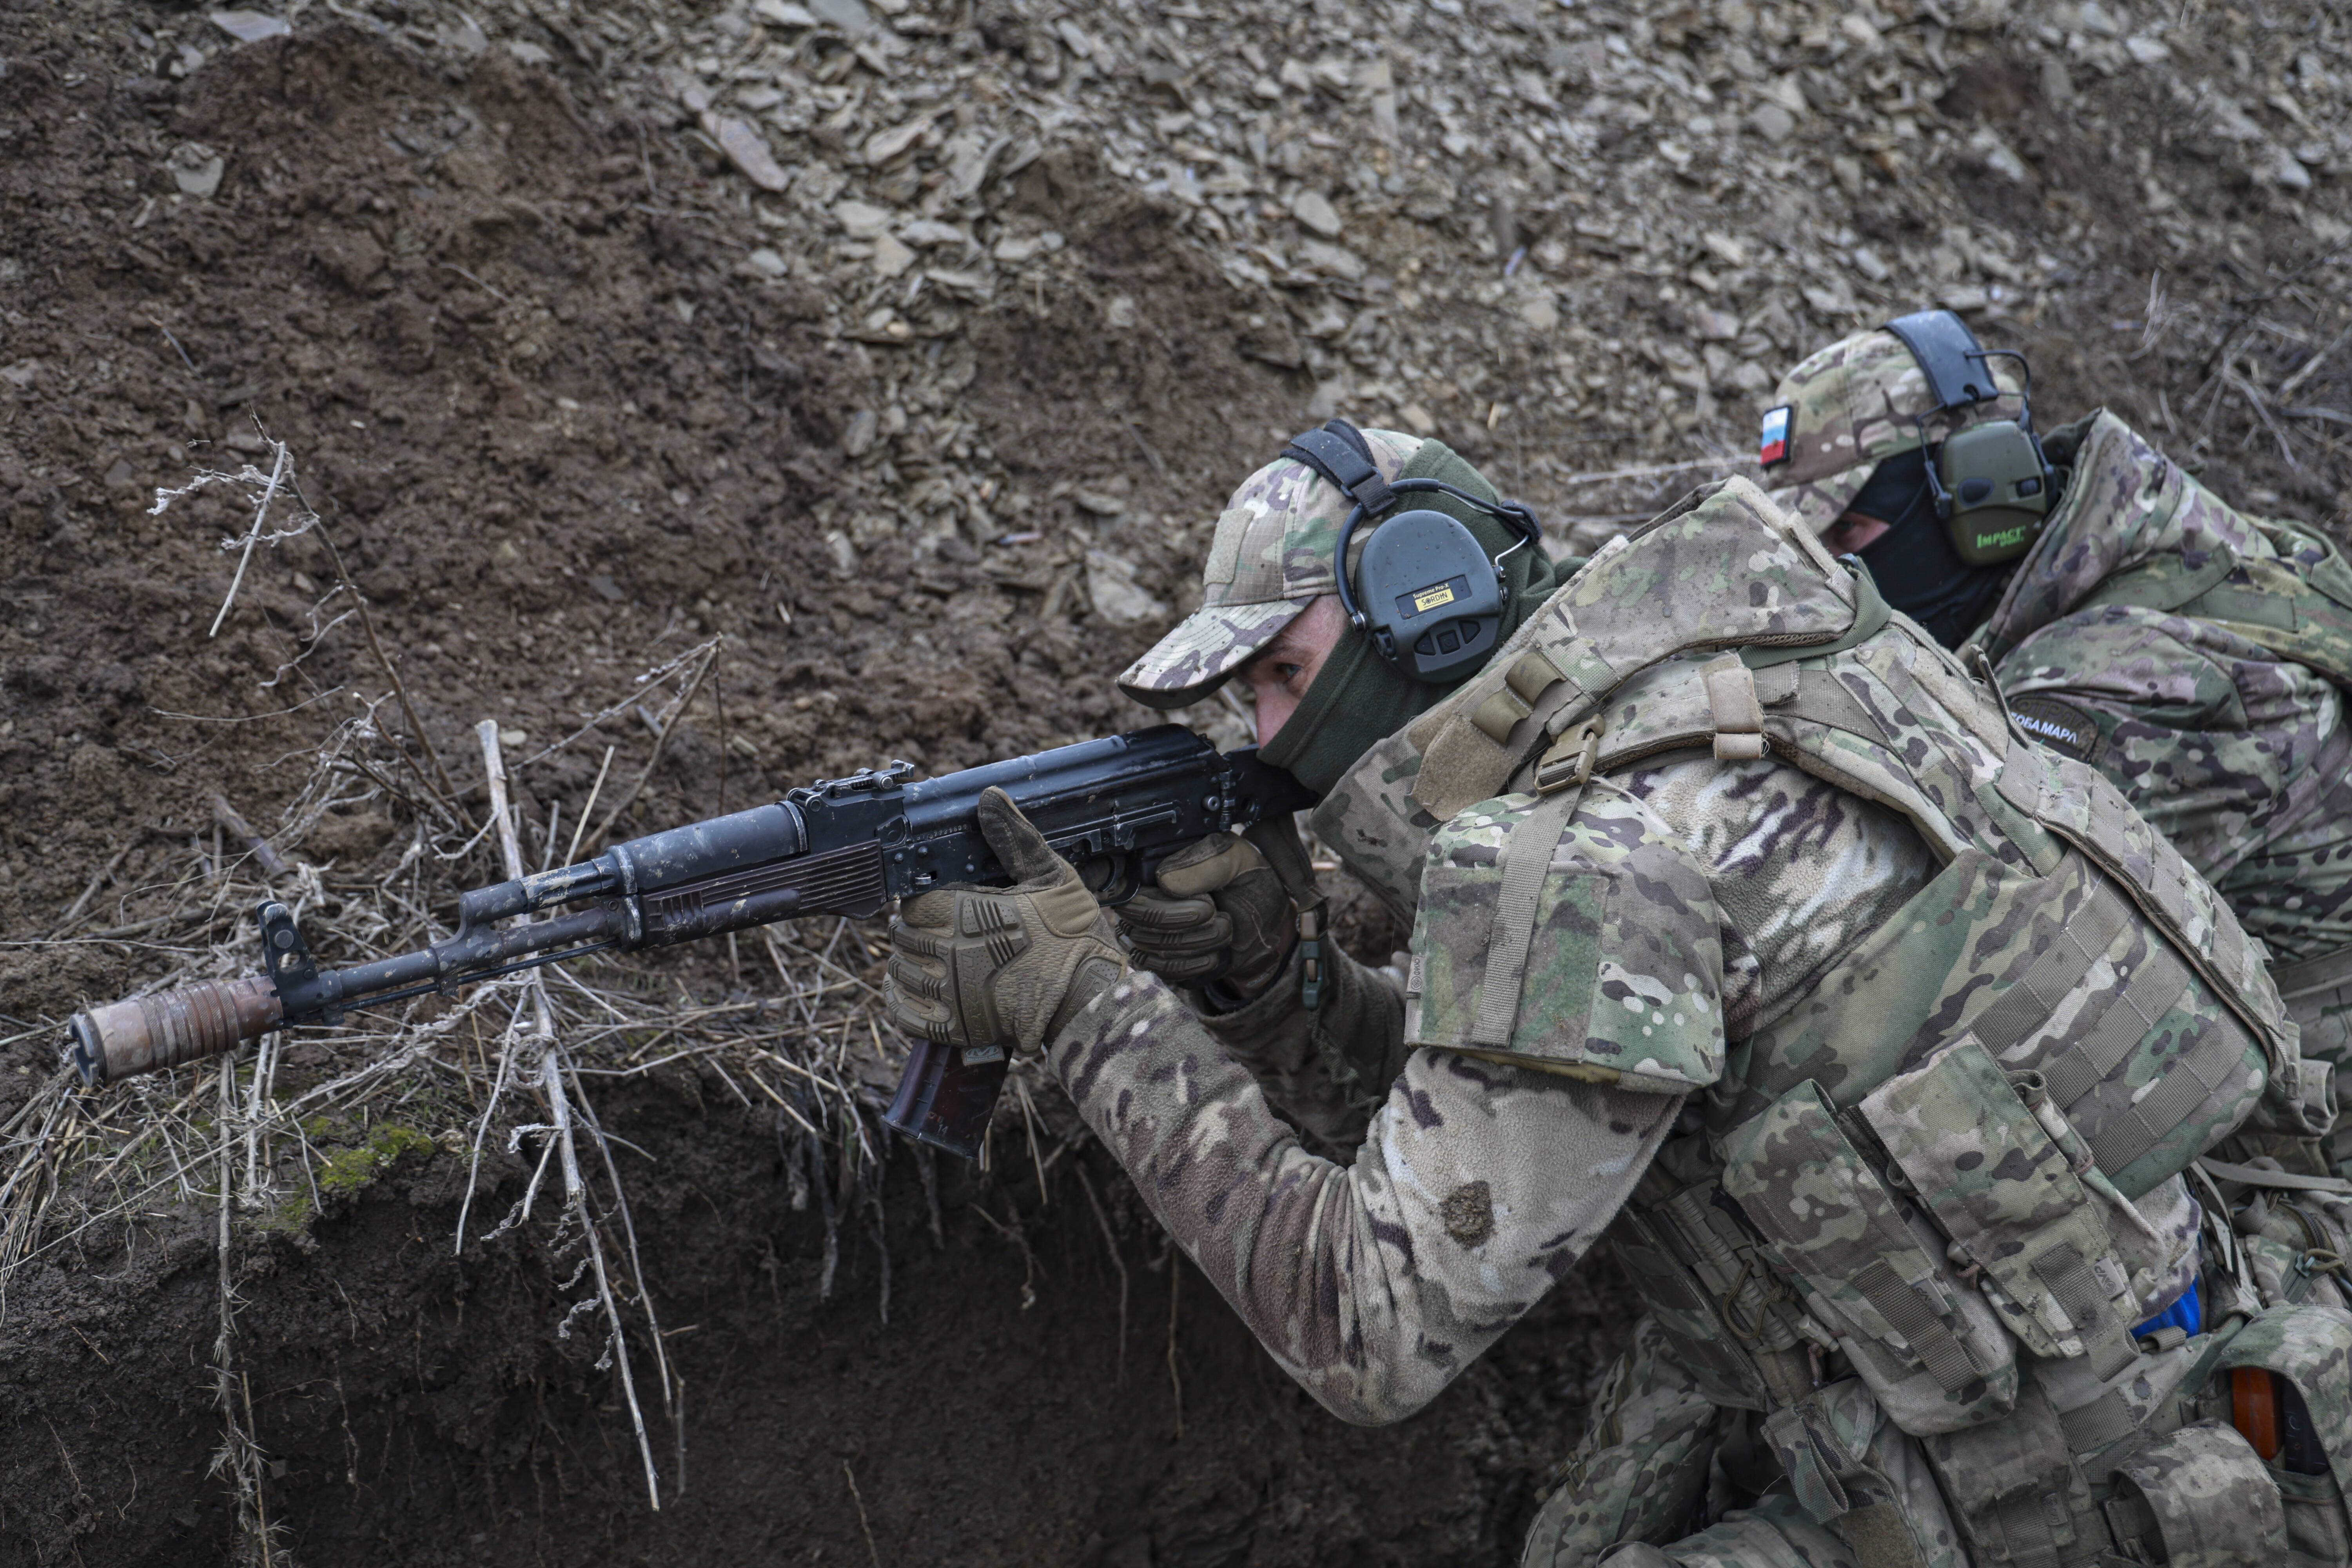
x=253, y=537
x=446, y=795
x=653, y=761
x=872, y=1549
x=1175, y=1383
x=1086, y=1185
x=552, y=1070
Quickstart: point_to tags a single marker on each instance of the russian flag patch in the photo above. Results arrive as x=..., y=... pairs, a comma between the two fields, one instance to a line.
x=1775, y=447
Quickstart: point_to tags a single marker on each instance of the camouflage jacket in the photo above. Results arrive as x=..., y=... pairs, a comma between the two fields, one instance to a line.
x=1323, y=1072
x=2192, y=654
x=1685, y=907
x=1808, y=886
x=1465, y=1188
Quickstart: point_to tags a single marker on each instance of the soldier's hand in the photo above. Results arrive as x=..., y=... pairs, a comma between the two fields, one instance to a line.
x=1001, y=966
x=1218, y=909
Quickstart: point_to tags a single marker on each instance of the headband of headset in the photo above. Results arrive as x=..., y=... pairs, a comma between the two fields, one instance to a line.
x=1957, y=376
x=1340, y=453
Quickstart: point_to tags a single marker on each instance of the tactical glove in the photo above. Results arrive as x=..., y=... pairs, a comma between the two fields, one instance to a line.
x=1001, y=966
x=1219, y=908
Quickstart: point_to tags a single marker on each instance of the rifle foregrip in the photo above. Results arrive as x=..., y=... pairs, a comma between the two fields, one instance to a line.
x=149, y=1033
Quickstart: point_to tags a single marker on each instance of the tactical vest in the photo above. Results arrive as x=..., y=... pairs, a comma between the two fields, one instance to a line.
x=1954, y=1163
x=2135, y=528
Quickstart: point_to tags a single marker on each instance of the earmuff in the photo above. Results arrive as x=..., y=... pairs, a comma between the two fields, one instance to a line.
x=1427, y=595
x=1991, y=481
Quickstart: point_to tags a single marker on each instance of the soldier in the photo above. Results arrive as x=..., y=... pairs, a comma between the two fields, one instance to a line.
x=1745, y=931
x=2192, y=653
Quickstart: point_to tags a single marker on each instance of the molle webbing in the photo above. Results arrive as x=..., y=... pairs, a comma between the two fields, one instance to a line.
x=1908, y=1311
x=2110, y=1025
x=2067, y=798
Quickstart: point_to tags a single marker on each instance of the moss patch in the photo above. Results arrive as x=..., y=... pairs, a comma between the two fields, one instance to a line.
x=344, y=1172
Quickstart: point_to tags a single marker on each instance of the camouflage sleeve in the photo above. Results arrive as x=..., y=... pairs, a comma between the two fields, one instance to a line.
x=1325, y=1072
x=1476, y=1187
x=2221, y=745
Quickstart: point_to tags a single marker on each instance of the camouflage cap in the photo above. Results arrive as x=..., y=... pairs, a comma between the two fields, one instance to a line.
x=1847, y=409
x=1271, y=558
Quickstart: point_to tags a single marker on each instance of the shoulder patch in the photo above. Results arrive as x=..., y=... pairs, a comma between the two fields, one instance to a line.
x=2059, y=725
x=1775, y=446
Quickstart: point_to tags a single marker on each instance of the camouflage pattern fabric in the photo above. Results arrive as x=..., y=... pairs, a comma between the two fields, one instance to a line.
x=1634, y=1490
x=1624, y=971
x=1851, y=405
x=1373, y=823
x=1271, y=557
x=2239, y=758
x=1801, y=871
x=1381, y=1308
x=1373, y=1283
x=1323, y=1072
x=2295, y=890
x=1897, y=878
x=2222, y=731
x=1640, y=1473
x=1775, y=1533
x=2236, y=753
x=2127, y=509
x=2213, y=1502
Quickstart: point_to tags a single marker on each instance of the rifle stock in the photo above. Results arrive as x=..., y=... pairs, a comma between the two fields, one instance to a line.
x=1114, y=807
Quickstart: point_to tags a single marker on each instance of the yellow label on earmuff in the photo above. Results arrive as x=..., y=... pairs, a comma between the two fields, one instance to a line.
x=1428, y=599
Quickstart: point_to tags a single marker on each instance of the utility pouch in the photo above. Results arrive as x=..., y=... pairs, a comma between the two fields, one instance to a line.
x=2010, y=1485
x=1931, y=1350
x=1824, y=1444
x=2198, y=1498
x=2011, y=1198
x=2309, y=1348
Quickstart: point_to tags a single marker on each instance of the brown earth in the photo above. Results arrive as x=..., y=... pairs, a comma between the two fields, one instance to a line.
x=556, y=440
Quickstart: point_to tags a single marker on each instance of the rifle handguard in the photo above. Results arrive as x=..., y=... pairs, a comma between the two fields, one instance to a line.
x=149, y=1032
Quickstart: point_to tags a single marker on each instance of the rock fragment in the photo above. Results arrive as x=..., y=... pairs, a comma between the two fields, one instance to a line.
x=1114, y=592
x=748, y=151
x=1314, y=210
x=249, y=27
x=196, y=169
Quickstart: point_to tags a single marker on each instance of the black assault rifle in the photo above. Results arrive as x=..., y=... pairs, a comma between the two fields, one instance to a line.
x=1114, y=808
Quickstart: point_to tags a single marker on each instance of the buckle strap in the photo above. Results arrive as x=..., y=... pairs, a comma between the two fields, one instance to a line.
x=1527, y=857
x=1571, y=759
x=1731, y=701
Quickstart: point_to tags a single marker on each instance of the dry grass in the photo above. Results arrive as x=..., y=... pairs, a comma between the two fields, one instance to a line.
x=251, y=1147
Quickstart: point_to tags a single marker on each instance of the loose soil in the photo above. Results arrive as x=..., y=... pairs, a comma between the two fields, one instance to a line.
x=555, y=441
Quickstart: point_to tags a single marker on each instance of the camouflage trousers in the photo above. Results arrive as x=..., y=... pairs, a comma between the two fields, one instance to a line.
x=1658, y=1483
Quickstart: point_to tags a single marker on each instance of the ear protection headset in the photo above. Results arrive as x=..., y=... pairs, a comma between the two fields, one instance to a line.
x=1990, y=482
x=1427, y=595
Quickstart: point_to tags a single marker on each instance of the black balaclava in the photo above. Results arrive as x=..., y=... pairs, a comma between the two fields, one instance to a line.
x=1913, y=563
x=1358, y=699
